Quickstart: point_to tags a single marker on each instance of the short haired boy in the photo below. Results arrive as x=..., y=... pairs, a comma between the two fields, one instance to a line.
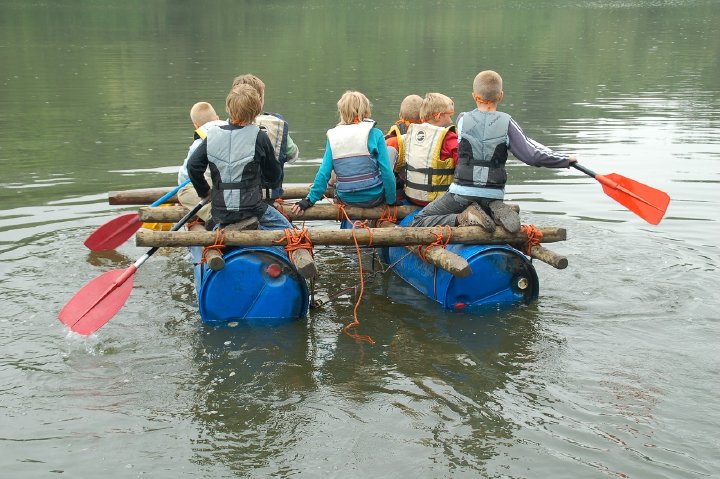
x=203, y=117
x=409, y=114
x=241, y=158
x=431, y=151
x=356, y=152
x=475, y=197
x=286, y=151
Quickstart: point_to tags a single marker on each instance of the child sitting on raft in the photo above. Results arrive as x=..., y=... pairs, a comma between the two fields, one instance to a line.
x=431, y=151
x=356, y=152
x=241, y=159
x=476, y=195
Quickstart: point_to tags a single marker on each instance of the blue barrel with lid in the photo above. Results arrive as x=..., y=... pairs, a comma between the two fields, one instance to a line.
x=501, y=276
x=258, y=285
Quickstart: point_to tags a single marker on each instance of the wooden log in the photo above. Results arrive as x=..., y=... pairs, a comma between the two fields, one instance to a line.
x=304, y=262
x=451, y=262
x=171, y=214
x=550, y=257
x=380, y=237
x=213, y=258
x=145, y=196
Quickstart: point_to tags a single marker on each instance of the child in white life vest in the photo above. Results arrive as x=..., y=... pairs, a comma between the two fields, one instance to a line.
x=356, y=152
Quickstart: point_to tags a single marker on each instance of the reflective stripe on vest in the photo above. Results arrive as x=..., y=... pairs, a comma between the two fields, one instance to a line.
x=354, y=166
x=482, y=150
x=232, y=153
x=427, y=175
x=277, y=130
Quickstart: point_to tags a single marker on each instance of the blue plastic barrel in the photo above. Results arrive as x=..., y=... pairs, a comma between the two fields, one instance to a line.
x=501, y=276
x=258, y=285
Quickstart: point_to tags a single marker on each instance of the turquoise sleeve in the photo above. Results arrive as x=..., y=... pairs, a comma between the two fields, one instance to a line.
x=317, y=191
x=376, y=145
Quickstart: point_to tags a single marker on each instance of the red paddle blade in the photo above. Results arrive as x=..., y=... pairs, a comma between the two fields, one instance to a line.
x=98, y=301
x=114, y=233
x=645, y=201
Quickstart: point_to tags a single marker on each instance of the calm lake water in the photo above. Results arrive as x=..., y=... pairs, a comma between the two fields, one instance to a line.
x=613, y=372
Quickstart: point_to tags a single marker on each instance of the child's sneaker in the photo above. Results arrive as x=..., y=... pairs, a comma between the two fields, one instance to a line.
x=505, y=216
x=475, y=216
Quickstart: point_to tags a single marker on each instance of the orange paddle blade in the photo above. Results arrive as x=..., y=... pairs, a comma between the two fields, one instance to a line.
x=645, y=201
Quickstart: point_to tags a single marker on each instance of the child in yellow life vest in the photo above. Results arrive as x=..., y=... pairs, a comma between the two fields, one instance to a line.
x=203, y=117
x=431, y=151
x=409, y=114
x=286, y=151
x=356, y=152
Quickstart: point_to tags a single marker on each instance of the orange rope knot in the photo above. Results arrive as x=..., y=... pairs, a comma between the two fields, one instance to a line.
x=341, y=213
x=440, y=240
x=388, y=215
x=278, y=204
x=534, y=236
x=191, y=223
x=218, y=246
x=295, y=240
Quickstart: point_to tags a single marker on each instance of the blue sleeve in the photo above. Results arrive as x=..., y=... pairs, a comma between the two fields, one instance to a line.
x=317, y=191
x=378, y=149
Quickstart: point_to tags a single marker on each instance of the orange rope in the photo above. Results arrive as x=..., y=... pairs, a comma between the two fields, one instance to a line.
x=534, y=236
x=388, y=215
x=439, y=241
x=191, y=223
x=278, y=205
x=219, y=244
x=355, y=322
x=295, y=240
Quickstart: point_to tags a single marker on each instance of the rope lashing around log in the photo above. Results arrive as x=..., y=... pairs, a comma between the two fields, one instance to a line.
x=218, y=246
x=389, y=215
x=439, y=241
x=534, y=236
x=296, y=239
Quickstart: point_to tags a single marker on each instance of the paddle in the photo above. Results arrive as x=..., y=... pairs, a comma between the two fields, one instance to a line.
x=645, y=201
x=118, y=230
x=100, y=299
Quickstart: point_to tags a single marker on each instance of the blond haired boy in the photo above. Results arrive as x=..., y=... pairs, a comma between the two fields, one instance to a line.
x=409, y=114
x=203, y=117
x=431, y=151
x=286, y=151
x=486, y=135
x=241, y=159
x=356, y=152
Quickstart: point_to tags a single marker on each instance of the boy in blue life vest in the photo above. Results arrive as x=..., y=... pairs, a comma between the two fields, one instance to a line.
x=203, y=116
x=430, y=153
x=241, y=160
x=475, y=197
x=286, y=151
x=356, y=152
